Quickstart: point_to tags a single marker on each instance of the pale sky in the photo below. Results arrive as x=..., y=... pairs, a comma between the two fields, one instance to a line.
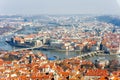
x=59, y=7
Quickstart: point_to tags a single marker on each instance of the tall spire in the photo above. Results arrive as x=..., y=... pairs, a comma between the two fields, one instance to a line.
x=118, y=52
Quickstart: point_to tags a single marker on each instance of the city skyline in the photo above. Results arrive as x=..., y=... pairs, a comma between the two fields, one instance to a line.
x=27, y=7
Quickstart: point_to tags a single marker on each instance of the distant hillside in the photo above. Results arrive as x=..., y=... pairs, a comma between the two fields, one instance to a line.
x=110, y=19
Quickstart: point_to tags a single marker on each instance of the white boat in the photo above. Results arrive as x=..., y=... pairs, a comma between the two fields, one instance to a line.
x=101, y=58
x=118, y=55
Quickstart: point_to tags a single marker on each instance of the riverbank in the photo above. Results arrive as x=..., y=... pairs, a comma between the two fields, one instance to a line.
x=12, y=32
x=107, y=54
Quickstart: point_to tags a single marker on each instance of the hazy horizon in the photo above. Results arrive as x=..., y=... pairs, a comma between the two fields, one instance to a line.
x=59, y=7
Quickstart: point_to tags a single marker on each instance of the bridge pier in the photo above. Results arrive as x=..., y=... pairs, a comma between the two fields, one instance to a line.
x=91, y=54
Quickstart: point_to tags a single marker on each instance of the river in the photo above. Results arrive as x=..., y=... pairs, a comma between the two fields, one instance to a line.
x=50, y=53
